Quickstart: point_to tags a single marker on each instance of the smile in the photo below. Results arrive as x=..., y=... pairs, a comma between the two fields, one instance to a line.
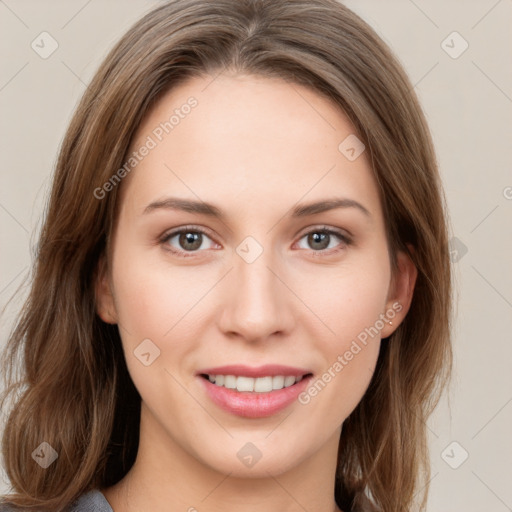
x=256, y=385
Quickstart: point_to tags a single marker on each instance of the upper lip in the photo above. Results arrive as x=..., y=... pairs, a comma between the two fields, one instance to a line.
x=240, y=370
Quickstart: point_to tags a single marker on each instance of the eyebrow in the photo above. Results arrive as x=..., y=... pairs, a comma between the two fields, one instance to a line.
x=203, y=208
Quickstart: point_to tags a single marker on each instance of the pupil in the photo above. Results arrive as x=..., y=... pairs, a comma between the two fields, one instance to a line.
x=191, y=238
x=320, y=238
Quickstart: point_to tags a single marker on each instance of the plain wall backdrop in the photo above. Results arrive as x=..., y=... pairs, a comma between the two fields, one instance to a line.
x=457, y=54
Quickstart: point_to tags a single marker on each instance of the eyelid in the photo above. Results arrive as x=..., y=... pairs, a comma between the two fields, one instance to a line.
x=342, y=233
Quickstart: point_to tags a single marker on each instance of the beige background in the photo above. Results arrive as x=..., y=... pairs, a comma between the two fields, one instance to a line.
x=468, y=102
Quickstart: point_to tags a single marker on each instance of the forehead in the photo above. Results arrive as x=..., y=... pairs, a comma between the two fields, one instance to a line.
x=245, y=139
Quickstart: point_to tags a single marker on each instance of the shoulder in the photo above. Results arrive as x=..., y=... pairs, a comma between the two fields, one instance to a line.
x=91, y=501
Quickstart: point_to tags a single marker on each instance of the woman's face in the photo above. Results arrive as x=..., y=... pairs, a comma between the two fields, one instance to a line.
x=219, y=258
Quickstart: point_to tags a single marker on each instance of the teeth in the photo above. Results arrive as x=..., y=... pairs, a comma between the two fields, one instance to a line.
x=278, y=382
x=230, y=381
x=259, y=385
x=244, y=384
x=265, y=384
x=288, y=381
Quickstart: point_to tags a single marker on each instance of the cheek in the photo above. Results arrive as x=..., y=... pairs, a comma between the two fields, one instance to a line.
x=160, y=303
x=151, y=296
x=350, y=298
x=349, y=304
x=155, y=317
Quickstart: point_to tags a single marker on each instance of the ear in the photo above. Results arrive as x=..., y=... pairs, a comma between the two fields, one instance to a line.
x=400, y=293
x=105, y=305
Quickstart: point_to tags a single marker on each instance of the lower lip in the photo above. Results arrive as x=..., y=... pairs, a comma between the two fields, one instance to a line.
x=254, y=405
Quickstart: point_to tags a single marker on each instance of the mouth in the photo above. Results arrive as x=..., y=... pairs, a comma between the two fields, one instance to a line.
x=254, y=396
x=264, y=384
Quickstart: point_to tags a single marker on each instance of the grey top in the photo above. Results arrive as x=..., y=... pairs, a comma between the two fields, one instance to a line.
x=92, y=501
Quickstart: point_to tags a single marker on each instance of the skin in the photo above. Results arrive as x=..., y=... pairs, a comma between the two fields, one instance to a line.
x=254, y=147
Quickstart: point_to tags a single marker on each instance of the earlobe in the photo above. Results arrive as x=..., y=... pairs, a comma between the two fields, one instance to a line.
x=401, y=292
x=105, y=306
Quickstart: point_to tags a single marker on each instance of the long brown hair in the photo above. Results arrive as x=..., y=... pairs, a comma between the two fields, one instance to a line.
x=74, y=390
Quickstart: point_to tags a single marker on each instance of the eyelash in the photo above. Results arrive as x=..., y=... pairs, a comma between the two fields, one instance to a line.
x=347, y=241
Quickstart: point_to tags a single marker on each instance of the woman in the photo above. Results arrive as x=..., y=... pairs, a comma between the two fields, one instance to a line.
x=289, y=357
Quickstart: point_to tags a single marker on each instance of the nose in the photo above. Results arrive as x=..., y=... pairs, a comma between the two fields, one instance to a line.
x=258, y=303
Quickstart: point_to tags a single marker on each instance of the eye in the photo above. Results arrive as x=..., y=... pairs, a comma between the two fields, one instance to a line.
x=192, y=239
x=186, y=240
x=322, y=239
